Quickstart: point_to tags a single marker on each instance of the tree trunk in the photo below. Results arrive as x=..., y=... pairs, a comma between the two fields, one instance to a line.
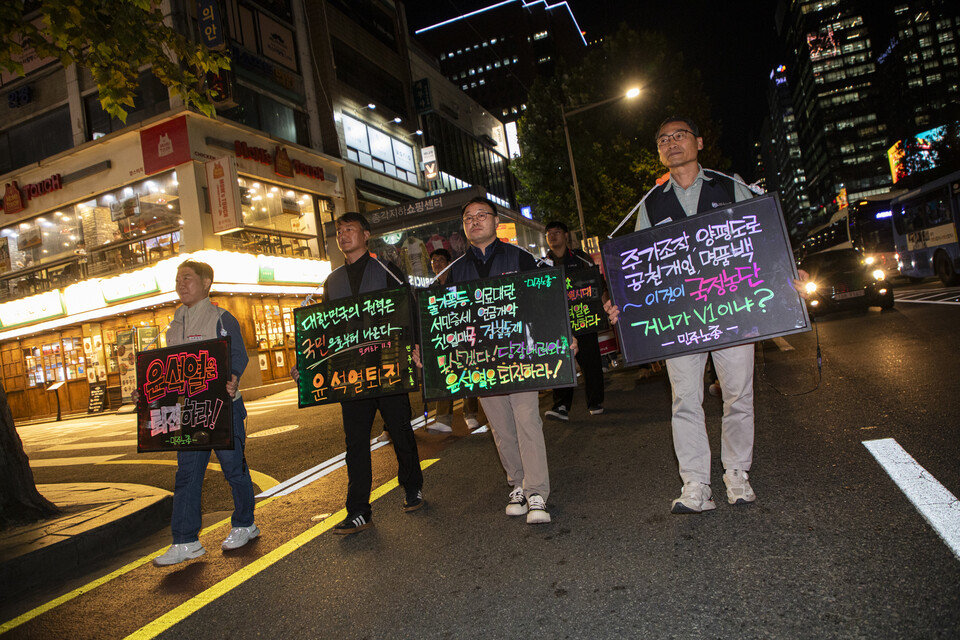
x=20, y=502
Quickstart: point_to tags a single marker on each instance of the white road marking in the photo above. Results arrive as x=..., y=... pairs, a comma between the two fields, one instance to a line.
x=938, y=506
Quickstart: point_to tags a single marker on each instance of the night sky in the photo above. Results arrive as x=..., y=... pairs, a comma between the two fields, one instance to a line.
x=732, y=42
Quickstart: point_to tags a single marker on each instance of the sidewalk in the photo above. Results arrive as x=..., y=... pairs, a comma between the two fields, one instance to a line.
x=97, y=520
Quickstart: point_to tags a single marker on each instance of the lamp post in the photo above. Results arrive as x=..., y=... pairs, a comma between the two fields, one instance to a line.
x=632, y=93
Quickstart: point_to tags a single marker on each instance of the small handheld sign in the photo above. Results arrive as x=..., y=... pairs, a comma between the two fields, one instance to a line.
x=584, y=298
x=713, y=280
x=183, y=403
x=495, y=336
x=357, y=347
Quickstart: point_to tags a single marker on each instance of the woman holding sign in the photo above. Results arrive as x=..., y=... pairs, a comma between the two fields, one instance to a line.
x=198, y=319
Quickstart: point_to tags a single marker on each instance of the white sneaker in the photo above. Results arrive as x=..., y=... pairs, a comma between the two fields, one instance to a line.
x=518, y=503
x=178, y=553
x=383, y=437
x=538, y=510
x=472, y=423
x=694, y=498
x=739, y=490
x=240, y=536
x=439, y=426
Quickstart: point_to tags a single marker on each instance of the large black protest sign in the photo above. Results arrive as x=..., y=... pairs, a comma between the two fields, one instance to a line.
x=704, y=282
x=497, y=335
x=357, y=347
x=584, y=297
x=183, y=401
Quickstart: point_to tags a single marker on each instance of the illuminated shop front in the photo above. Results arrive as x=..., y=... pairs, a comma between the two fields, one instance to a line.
x=407, y=233
x=90, y=241
x=89, y=332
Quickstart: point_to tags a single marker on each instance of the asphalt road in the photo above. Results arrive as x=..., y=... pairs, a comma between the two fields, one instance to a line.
x=832, y=548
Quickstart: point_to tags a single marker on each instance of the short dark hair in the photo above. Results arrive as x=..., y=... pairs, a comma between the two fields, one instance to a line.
x=202, y=269
x=353, y=216
x=443, y=253
x=687, y=121
x=556, y=224
x=480, y=200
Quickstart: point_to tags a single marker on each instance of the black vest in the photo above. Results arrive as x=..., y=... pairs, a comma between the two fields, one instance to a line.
x=505, y=259
x=375, y=277
x=715, y=192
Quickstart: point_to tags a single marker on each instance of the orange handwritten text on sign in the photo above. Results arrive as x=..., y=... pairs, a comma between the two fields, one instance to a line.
x=184, y=373
x=385, y=375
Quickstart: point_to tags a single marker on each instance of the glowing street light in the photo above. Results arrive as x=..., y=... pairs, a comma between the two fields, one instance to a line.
x=631, y=93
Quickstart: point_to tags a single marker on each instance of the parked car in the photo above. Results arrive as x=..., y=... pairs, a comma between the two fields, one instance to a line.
x=843, y=279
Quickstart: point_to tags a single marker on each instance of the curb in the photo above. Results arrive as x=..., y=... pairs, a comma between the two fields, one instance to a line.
x=68, y=546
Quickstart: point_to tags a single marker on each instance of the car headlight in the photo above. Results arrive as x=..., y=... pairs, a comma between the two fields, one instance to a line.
x=870, y=260
x=810, y=286
x=878, y=274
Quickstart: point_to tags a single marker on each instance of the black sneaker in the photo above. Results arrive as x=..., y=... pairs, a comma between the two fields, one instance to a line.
x=353, y=523
x=558, y=413
x=413, y=501
x=596, y=409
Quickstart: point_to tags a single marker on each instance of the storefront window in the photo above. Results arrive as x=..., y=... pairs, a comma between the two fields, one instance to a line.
x=122, y=229
x=273, y=330
x=54, y=362
x=276, y=220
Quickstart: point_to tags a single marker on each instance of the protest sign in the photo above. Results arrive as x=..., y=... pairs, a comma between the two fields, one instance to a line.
x=497, y=335
x=584, y=298
x=704, y=282
x=357, y=347
x=183, y=401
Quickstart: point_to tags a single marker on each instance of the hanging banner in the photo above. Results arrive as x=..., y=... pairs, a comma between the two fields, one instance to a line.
x=358, y=347
x=495, y=336
x=713, y=280
x=585, y=300
x=224, y=193
x=184, y=404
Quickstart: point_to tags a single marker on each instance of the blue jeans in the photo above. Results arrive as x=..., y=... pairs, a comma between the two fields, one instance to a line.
x=192, y=465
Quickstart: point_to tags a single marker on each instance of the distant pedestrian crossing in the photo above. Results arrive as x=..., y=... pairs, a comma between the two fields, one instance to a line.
x=941, y=295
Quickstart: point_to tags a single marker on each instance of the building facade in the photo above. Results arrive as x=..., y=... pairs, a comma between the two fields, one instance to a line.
x=496, y=53
x=863, y=76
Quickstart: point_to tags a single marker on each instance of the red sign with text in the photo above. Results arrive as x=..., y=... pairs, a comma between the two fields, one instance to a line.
x=165, y=145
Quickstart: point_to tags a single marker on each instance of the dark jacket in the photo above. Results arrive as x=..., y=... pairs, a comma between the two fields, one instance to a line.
x=500, y=258
x=717, y=191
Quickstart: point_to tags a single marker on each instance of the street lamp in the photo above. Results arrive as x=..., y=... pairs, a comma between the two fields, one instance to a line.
x=632, y=93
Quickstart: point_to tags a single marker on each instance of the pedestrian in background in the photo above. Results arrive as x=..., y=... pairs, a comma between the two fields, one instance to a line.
x=198, y=319
x=588, y=351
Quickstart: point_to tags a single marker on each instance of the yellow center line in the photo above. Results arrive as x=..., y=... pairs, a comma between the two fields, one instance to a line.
x=67, y=597
x=226, y=585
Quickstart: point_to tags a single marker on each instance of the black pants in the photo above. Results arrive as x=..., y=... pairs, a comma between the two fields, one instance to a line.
x=358, y=418
x=588, y=356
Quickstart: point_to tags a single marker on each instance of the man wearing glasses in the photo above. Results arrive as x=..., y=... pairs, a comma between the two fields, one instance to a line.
x=690, y=190
x=514, y=418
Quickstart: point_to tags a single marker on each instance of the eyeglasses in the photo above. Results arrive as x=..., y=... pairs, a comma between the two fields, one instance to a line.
x=679, y=135
x=479, y=216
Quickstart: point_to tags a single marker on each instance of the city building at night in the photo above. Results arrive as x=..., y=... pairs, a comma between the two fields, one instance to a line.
x=863, y=76
x=316, y=117
x=494, y=54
